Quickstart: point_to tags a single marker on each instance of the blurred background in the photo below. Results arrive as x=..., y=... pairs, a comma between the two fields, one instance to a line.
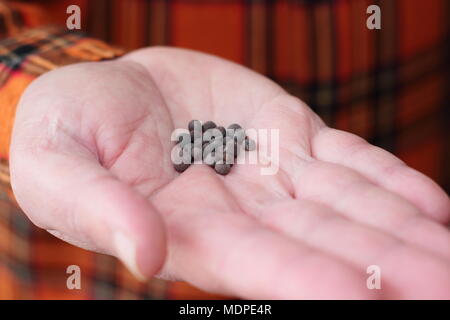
x=390, y=86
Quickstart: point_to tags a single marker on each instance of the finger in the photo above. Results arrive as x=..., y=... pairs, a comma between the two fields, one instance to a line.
x=354, y=197
x=320, y=227
x=217, y=249
x=76, y=199
x=384, y=169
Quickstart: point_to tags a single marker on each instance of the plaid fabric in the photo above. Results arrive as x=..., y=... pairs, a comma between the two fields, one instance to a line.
x=389, y=86
x=11, y=22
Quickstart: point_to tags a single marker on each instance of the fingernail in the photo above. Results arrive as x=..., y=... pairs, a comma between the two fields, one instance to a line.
x=126, y=250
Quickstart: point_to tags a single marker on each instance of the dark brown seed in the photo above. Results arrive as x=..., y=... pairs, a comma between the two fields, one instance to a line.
x=212, y=146
x=229, y=133
x=186, y=153
x=222, y=168
x=197, y=153
x=183, y=139
x=234, y=126
x=222, y=130
x=181, y=167
x=237, y=149
x=239, y=135
x=219, y=153
x=212, y=135
x=250, y=144
x=198, y=142
x=228, y=157
x=209, y=159
x=227, y=140
x=196, y=130
x=182, y=154
x=208, y=125
x=194, y=124
x=192, y=133
x=229, y=147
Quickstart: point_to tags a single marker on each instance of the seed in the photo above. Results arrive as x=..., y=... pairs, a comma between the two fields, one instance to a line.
x=195, y=129
x=192, y=133
x=237, y=149
x=206, y=147
x=232, y=129
x=208, y=125
x=186, y=153
x=212, y=135
x=227, y=141
x=222, y=130
x=181, y=167
x=183, y=139
x=222, y=168
x=210, y=159
x=197, y=153
x=217, y=146
x=250, y=144
x=230, y=146
x=198, y=142
x=228, y=157
x=212, y=146
x=182, y=158
x=229, y=133
x=182, y=154
x=239, y=135
x=194, y=125
x=234, y=126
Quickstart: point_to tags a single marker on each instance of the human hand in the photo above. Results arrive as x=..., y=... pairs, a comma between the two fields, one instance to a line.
x=90, y=162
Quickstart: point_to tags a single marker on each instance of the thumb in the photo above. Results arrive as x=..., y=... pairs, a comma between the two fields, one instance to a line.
x=72, y=196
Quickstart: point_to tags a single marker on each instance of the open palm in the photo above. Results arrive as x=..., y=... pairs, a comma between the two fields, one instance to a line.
x=90, y=162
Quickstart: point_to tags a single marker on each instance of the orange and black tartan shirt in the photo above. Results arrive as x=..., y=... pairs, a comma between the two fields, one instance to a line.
x=390, y=86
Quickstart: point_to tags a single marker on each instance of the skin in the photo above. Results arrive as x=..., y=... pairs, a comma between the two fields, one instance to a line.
x=90, y=162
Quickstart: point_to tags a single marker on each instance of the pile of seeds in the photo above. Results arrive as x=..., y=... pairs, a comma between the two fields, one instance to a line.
x=211, y=144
